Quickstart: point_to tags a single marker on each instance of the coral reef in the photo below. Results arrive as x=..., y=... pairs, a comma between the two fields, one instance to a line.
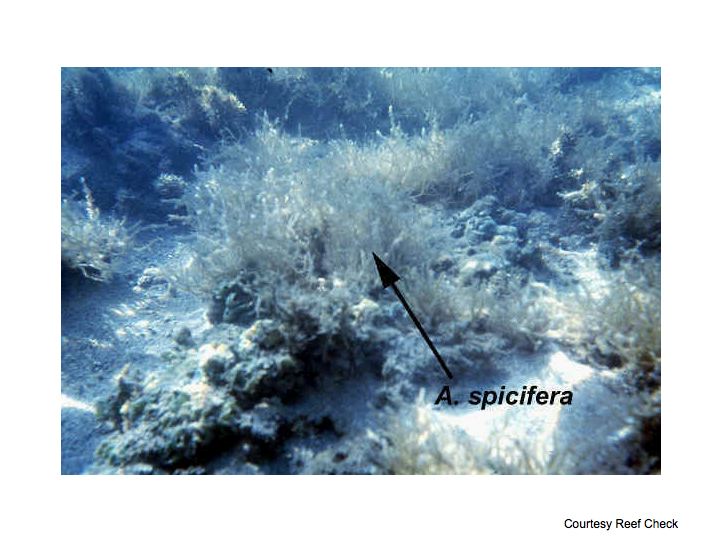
x=520, y=207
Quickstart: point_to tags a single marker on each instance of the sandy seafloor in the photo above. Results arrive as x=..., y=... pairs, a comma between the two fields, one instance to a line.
x=267, y=390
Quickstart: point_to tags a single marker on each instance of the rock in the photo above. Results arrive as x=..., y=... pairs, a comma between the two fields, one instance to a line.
x=458, y=230
x=169, y=426
x=481, y=229
x=480, y=266
x=261, y=424
x=265, y=333
x=211, y=398
x=151, y=277
x=443, y=264
x=183, y=337
x=508, y=231
x=358, y=455
x=232, y=303
x=269, y=375
x=531, y=258
x=215, y=360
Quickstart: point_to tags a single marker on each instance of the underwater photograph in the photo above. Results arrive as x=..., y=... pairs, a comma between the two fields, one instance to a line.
x=360, y=271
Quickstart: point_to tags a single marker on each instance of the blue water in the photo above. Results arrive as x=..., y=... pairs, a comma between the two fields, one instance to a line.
x=222, y=313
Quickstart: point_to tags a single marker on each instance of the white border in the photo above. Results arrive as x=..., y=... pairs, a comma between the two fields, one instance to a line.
x=37, y=40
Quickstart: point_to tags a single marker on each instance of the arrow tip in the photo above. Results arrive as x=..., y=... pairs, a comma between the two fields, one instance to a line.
x=387, y=276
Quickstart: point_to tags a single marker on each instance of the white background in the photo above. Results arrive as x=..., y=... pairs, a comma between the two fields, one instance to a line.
x=36, y=39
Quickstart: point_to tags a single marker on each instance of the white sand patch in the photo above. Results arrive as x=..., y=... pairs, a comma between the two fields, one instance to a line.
x=71, y=403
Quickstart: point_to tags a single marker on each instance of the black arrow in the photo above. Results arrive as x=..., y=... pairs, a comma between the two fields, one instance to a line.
x=388, y=278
